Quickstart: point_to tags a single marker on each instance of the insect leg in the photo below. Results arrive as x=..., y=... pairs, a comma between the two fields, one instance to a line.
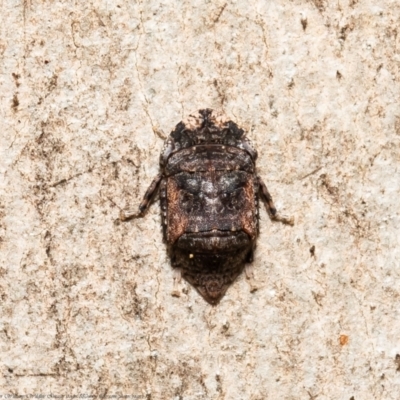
x=266, y=197
x=144, y=205
x=270, y=204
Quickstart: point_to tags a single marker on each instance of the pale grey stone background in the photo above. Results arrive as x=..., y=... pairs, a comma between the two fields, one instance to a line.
x=88, y=90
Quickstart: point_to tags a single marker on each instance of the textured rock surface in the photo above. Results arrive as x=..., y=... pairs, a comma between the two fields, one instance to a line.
x=88, y=90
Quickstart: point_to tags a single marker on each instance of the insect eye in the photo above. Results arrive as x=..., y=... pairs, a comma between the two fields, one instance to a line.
x=233, y=200
x=186, y=197
x=187, y=201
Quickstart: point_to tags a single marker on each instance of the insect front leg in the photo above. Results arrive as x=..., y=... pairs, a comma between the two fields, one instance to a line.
x=270, y=204
x=144, y=205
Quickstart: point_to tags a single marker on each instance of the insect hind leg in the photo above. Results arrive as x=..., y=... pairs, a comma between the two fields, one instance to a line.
x=145, y=204
x=266, y=197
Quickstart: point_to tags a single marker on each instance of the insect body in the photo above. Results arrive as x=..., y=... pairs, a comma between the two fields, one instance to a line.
x=209, y=193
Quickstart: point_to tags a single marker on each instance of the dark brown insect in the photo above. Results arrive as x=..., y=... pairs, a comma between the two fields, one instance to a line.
x=209, y=193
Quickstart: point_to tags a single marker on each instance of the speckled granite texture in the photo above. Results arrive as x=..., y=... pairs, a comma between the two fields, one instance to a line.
x=88, y=92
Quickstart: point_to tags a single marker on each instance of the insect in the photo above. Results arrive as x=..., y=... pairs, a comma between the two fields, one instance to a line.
x=209, y=195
